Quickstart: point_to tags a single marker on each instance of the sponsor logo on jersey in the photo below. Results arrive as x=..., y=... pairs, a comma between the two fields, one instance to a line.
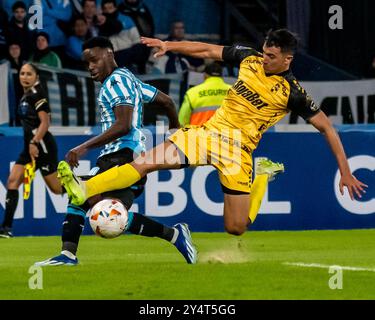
x=253, y=97
x=276, y=88
x=313, y=105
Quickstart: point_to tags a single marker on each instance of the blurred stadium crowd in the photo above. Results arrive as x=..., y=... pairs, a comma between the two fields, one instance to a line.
x=66, y=24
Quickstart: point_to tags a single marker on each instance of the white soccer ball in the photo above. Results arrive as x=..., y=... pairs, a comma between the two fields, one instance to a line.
x=108, y=218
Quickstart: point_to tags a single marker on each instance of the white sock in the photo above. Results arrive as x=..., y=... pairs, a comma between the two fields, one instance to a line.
x=68, y=254
x=175, y=236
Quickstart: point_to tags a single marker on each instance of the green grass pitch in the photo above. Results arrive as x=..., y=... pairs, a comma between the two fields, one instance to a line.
x=249, y=267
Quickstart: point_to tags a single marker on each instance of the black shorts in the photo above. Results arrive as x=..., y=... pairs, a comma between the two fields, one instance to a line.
x=111, y=160
x=47, y=160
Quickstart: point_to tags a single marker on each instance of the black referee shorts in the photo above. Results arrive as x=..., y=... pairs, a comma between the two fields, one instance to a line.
x=47, y=160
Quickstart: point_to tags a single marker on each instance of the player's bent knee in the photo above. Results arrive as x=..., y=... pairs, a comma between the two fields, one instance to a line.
x=235, y=229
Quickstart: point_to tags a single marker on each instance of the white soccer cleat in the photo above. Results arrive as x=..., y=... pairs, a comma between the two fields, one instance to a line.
x=64, y=259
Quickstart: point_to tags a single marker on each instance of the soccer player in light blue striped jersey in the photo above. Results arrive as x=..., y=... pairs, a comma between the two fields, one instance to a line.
x=123, y=89
x=121, y=100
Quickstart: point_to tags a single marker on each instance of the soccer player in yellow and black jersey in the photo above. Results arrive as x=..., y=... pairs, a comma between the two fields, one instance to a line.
x=264, y=93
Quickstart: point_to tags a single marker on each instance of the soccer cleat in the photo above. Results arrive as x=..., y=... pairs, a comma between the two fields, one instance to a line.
x=266, y=166
x=184, y=243
x=62, y=260
x=6, y=233
x=28, y=177
x=73, y=185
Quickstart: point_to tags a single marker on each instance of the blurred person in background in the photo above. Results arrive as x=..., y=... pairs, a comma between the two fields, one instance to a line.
x=39, y=145
x=3, y=33
x=141, y=16
x=201, y=102
x=56, y=16
x=43, y=53
x=120, y=29
x=74, y=46
x=177, y=62
x=15, y=58
x=125, y=38
x=77, y=6
x=93, y=18
x=8, y=5
x=18, y=28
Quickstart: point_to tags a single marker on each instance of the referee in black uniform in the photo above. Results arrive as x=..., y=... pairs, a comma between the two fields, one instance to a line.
x=39, y=144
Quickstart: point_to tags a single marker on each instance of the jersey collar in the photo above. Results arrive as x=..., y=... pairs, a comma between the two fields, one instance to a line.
x=281, y=74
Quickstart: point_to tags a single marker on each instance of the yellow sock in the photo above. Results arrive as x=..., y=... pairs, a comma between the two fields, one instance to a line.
x=257, y=192
x=115, y=178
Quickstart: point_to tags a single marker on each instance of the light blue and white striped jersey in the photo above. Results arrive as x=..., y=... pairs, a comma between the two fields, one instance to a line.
x=122, y=88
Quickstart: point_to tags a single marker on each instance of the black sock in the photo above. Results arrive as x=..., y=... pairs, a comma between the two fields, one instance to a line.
x=10, y=207
x=147, y=227
x=72, y=229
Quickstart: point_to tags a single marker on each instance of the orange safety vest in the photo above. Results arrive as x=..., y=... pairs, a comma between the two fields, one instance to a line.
x=202, y=114
x=201, y=101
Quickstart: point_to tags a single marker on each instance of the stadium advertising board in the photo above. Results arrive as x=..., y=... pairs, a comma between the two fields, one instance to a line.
x=305, y=197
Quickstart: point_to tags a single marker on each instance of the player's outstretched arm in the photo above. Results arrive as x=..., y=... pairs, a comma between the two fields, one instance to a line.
x=324, y=125
x=189, y=48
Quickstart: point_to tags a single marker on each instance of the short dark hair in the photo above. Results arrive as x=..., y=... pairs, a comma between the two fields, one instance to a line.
x=214, y=69
x=18, y=4
x=77, y=18
x=84, y=2
x=13, y=41
x=101, y=42
x=109, y=1
x=43, y=34
x=282, y=38
x=177, y=21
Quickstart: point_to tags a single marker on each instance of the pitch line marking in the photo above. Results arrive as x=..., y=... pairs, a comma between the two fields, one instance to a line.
x=326, y=266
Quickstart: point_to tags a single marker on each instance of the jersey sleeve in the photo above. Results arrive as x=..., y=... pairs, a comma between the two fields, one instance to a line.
x=235, y=54
x=300, y=102
x=149, y=92
x=40, y=101
x=119, y=92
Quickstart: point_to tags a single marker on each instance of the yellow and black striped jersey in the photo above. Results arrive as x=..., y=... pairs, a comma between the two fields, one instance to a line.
x=258, y=100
